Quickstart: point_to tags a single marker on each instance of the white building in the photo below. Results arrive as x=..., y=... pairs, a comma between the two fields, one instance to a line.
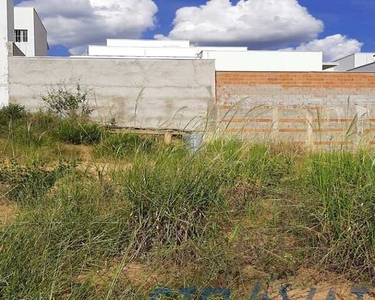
x=30, y=35
x=21, y=33
x=368, y=68
x=357, y=62
x=226, y=58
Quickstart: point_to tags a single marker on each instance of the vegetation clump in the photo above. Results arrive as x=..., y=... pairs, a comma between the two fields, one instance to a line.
x=122, y=144
x=68, y=104
x=227, y=215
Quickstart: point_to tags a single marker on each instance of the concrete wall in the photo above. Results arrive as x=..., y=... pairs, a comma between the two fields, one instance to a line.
x=266, y=61
x=319, y=108
x=156, y=94
x=6, y=36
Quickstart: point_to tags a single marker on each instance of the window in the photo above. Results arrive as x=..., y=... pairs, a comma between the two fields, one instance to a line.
x=20, y=36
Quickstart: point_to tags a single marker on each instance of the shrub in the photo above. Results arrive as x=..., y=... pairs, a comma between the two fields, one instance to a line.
x=44, y=121
x=76, y=133
x=11, y=113
x=68, y=104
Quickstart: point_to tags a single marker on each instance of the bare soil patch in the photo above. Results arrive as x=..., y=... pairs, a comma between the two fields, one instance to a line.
x=8, y=212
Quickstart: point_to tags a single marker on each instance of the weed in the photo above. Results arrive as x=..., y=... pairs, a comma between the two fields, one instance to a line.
x=76, y=132
x=118, y=145
x=68, y=104
x=230, y=212
x=10, y=114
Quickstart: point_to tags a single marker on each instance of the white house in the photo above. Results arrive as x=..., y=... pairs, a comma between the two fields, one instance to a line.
x=356, y=62
x=367, y=68
x=30, y=35
x=226, y=58
x=165, y=49
x=21, y=33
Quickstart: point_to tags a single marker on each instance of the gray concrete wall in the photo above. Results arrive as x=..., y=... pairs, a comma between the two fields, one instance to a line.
x=149, y=94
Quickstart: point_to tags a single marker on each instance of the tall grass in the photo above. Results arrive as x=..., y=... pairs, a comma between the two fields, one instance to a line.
x=204, y=217
x=345, y=183
x=119, y=145
x=173, y=196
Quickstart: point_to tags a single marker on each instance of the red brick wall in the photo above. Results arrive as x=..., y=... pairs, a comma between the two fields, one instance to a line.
x=319, y=108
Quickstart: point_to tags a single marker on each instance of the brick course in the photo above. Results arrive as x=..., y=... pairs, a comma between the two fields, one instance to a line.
x=317, y=108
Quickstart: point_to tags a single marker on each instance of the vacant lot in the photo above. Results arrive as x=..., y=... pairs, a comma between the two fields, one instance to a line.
x=86, y=213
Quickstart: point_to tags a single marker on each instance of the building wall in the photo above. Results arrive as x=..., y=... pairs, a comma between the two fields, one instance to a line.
x=40, y=37
x=365, y=68
x=354, y=61
x=147, y=43
x=27, y=18
x=150, y=94
x=316, y=108
x=362, y=59
x=226, y=58
x=266, y=61
x=10, y=17
x=6, y=36
x=170, y=52
x=140, y=52
x=345, y=63
x=24, y=19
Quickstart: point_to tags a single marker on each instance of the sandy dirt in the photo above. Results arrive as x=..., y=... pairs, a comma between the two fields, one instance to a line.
x=308, y=284
x=7, y=212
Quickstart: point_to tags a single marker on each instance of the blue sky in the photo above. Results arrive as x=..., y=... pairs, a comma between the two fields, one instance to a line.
x=353, y=18
x=337, y=27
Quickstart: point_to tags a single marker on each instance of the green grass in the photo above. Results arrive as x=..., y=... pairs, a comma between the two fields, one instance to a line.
x=78, y=132
x=121, y=145
x=345, y=186
x=181, y=219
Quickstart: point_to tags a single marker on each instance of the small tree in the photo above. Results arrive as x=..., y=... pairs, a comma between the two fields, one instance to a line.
x=68, y=104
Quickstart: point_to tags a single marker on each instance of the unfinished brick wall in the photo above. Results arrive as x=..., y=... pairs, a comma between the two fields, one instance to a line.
x=319, y=108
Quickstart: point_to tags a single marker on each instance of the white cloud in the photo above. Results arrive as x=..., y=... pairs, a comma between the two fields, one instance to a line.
x=254, y=23
x=333, y=47
x=77, y=23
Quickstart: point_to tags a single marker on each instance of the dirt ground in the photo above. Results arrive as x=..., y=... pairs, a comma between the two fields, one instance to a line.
x=7, y=212
x=308, y=284
x=301, y=286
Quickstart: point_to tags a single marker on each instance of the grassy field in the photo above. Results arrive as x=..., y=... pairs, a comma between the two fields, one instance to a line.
x=86, y=213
